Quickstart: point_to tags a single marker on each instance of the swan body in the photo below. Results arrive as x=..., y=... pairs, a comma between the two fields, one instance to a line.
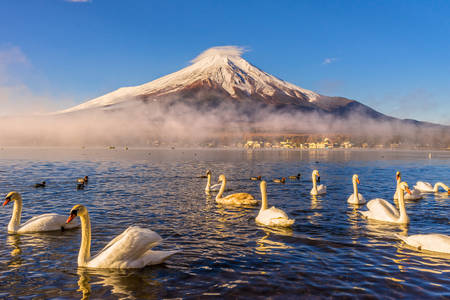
x=415, y=194
x=356, y=198
x=41, y=223
x=129, y=250
x=317, y=190
x=233, y=199
x=426, y=187
x=381, y=210
x=271, y=216
x=431, y=242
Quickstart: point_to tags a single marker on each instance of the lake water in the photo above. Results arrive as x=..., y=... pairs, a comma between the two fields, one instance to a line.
x=330, y=250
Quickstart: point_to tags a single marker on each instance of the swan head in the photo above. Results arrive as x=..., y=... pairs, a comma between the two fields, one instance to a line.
x=263, y=184
x=208, y=172
x=397, y=175
x=316, y=173
x=12, y=196
x=77, y=210
x=221, y=178
x=356, y=178
x=404, y=187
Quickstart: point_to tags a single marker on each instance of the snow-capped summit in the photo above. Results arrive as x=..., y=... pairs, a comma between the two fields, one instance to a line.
x=220, y=68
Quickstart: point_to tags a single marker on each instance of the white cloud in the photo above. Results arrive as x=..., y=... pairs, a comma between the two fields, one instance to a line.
x=222, y=51
x=329, y=60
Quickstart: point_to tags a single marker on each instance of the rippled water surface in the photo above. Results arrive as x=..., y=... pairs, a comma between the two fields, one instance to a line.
x=330, y=250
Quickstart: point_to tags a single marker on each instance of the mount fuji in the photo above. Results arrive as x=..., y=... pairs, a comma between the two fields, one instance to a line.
x=221, y=76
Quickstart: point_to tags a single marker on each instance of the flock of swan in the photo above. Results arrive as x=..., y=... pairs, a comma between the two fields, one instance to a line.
x=133, y=247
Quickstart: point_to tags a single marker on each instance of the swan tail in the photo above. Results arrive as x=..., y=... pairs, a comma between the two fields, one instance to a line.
x=152, y=257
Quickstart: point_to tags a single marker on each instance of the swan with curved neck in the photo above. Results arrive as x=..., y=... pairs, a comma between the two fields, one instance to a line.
x=430, y=242
x=317, y=190
x=426, y=187
x=356, y=198
x=131, y=249
x=415, y=194
x=381, y=210
x=41, y=223
x=210, y=188
x=271, y=216
x=233, y=199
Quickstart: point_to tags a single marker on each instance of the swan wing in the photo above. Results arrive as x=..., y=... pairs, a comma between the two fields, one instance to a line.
x=361, y=200
x=127, y=250
x=415, y=195
x=423, y=186
x=431, y=242
x=274, y=217
x=321, y=189
x=47, y=222
x=380, y=209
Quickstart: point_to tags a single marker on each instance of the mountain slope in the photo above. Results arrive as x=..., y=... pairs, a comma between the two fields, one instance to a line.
x=219, y=71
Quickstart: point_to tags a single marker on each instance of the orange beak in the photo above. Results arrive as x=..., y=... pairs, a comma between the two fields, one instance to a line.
x=357, y=180
x=408, y=191
x=6, y=201
x=70, y=218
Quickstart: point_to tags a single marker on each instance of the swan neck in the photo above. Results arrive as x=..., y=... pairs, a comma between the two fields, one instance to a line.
x=401, y=204
x=440, y=184
x=314, y=182
x=264, y=203
x=14, y=223
x=355, y=190
x=85, y=249
x=208, y=183
x=222, y=189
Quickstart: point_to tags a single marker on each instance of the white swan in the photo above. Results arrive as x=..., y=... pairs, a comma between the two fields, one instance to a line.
x=211, y=188
x=317, y=190
x=234, y=199
x=415, y=194
x=356, y=198
x=131, y=249
x=271, y=216
x=431, y=242
x=426, y=187
x=42, y=223
x=381, y=210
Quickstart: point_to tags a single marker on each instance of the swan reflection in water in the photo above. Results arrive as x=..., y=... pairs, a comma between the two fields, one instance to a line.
x=125, y=284
x=382, y=233
x=14, y=242
x=265, y=245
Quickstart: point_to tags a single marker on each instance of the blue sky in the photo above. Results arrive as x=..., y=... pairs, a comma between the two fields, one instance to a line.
x=391, y=55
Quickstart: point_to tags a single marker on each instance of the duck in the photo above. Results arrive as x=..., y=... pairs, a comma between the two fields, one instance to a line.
x=295, y=176
x=271, y=216
x=233, y=199
x=317, y=190
x=415, y=194
x=282, y=180
x=211, y=188
x=83, y=180
x=41, y=223
x=40, y=185
x=426, y=187
x=356, y=198
x=432, y=242
x=381, y=210
x=129, y=250
x=256, y=178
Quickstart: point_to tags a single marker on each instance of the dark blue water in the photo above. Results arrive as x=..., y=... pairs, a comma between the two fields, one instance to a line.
x=330, y=250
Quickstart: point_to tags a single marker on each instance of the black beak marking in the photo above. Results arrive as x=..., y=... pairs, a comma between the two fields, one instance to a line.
x=74, y=212
x=318, y=179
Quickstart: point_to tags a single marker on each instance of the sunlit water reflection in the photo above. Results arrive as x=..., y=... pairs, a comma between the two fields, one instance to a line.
x=330, y=250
